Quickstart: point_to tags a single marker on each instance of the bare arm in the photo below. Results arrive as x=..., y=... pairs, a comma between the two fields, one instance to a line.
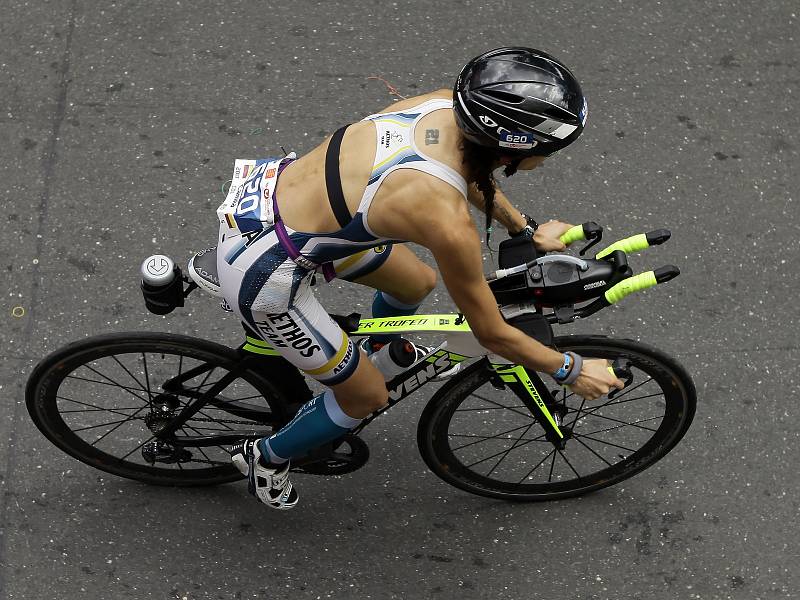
x=546, y=238
x=436, y=216
x=457, y=250
x=504, y=212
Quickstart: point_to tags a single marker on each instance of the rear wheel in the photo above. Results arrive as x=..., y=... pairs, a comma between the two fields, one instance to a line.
x=484, y=440
x=103, y=400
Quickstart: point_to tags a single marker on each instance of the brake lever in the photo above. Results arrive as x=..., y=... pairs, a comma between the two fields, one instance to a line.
x=592, y=232
x=622, y=370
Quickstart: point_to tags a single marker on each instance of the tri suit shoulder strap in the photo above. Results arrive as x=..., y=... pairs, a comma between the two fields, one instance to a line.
x=333, y=180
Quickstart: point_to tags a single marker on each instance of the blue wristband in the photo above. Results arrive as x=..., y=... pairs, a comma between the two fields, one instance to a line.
x=561, y=373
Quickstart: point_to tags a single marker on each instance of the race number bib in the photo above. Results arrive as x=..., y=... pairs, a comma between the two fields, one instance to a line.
x=248, y=205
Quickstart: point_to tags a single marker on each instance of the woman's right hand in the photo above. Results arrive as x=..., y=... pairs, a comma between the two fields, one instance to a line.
x=595, y=379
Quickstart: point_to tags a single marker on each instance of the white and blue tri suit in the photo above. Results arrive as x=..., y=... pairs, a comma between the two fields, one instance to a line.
x=266, y=269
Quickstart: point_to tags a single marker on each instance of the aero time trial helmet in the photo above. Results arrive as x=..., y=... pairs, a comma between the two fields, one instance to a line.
x=521, y=101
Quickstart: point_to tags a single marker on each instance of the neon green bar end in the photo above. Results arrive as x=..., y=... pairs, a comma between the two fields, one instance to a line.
x=573, y=235
x=629, y=245
x=624, y=288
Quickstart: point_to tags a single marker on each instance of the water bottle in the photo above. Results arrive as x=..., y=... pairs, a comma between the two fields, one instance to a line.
x=158, y=270
x=394, y=358
x=162, y=284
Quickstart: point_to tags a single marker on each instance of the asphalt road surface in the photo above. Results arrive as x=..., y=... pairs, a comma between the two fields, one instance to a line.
x=120, y=122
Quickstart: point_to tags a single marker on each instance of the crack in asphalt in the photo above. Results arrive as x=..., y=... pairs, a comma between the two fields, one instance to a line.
x=49, y=160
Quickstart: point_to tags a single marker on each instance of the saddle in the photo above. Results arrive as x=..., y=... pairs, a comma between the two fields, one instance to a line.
x=202, y=269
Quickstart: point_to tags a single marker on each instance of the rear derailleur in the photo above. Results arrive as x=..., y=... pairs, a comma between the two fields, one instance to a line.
x=162, y=409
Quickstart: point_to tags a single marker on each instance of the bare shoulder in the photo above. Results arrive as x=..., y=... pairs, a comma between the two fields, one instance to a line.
x=419, y=207
x=417, y=100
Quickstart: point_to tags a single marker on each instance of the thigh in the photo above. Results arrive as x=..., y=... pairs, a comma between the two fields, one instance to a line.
x=361, y=264
x=306, y=335
x=402, y=275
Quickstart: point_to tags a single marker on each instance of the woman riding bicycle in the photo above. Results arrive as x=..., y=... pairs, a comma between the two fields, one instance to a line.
x=401, y=175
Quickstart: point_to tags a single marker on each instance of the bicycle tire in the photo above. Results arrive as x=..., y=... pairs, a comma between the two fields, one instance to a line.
x=72, y=385
x=444, y=453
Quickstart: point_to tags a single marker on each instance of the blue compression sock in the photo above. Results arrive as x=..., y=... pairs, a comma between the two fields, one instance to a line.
x=384, y=305
x=318, y=421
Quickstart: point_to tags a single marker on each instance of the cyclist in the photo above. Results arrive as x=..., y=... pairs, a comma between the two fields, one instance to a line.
x=399, y=175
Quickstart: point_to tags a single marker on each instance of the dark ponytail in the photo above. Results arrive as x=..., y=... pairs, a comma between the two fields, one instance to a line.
x=481, y=162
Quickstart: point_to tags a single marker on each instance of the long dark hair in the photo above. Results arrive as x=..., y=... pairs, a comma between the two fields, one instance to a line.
x=481, y=162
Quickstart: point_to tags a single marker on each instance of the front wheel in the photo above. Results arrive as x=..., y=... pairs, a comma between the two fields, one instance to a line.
x=478, y=436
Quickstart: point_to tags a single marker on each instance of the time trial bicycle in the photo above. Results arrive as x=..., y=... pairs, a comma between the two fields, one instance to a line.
x=164, y=408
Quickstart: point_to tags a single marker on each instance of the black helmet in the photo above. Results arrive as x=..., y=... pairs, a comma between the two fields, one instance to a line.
x=519, y=100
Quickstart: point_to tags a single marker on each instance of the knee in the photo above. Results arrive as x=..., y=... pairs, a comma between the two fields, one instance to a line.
x=377, y=400
x=359, y=399
x=427, y=282
x=417, y=290
x=363, y=405
x=374, y=395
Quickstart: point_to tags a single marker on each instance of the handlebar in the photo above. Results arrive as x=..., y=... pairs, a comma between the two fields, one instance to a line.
x=621, y=369
x=636, y=243
x=615, y=254
x=588, y=231
x=624, y=288
x=640, y=282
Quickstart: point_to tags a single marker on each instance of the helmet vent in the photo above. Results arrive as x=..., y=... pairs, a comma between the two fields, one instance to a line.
x=504, y=96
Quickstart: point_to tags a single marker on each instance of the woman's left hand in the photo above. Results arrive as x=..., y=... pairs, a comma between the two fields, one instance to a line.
x=546, y=236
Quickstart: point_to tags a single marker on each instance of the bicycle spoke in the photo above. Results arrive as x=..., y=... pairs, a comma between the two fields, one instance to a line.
x=616, y=426
x=629, y=390
x=202, y=383
x=552, y=465
x=569, y=464
x=214, y=429
x=498, y=454
x=528, y=415
x=88, y=410
x=486, y=437
x=539, y=464
x=246, y=398
x=634, y=424
x=208, y=460
x=93, y=406
x=578, y=414
x=590, y=449
x=118, y=426
x=96, y=372
x=210, y=417
x=126, y=388
x=615, y=401
x=211, y=462
x=587, y=437
x=147, y=377
x=87, y=428
x=150, y=439
x=514, y=445
x=124, y=368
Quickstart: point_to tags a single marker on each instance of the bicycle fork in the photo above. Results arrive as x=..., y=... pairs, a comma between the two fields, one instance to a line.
x=532, y=392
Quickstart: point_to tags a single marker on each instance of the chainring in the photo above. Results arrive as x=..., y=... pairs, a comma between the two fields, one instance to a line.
x=349, y=454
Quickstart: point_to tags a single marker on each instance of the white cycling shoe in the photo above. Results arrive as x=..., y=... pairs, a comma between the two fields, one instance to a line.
x=270, y=485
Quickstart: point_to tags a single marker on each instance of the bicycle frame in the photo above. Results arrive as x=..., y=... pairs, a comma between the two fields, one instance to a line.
x=459, y=344
x=526, y=385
